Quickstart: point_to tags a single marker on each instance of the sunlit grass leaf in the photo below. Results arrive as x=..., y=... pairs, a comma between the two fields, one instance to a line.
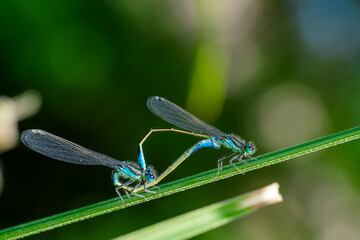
x=210, y=217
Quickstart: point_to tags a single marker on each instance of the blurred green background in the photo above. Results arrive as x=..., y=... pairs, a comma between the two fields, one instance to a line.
x=275, y=72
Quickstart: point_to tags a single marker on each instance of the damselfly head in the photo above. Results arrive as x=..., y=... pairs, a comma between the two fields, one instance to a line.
x=150, y=173
x=250, y=148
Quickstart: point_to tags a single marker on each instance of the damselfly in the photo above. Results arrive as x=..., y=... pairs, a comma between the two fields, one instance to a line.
x=61, y=149
x=177, y=116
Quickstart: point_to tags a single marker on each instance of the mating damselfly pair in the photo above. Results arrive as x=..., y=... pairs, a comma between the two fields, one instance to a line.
x=137, y=173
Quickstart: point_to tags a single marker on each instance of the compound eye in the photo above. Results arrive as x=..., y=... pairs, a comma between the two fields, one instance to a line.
x=150, y=177
x=249, y=149
x=150, y=173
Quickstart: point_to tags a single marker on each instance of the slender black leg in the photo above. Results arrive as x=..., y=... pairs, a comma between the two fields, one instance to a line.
x=220, y=162
x=117, y=189
x=238, y=158
x=136, y=186
x=136, y=194
x=146, y=190
x=252, y=158
x=127, y=194
x=242, y=160
x=118, y=193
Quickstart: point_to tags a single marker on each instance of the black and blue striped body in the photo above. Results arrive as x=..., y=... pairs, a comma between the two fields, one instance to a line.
x=211, y=142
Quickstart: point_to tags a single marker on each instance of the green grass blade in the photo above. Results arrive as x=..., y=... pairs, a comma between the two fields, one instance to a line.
x=97, y=209
x=210, y=217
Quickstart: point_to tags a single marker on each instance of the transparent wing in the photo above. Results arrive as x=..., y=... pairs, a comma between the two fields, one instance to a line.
x=181, y=118
x=64, y=150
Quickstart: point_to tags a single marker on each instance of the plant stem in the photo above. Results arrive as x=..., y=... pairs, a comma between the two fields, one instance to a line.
x=197, y=180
